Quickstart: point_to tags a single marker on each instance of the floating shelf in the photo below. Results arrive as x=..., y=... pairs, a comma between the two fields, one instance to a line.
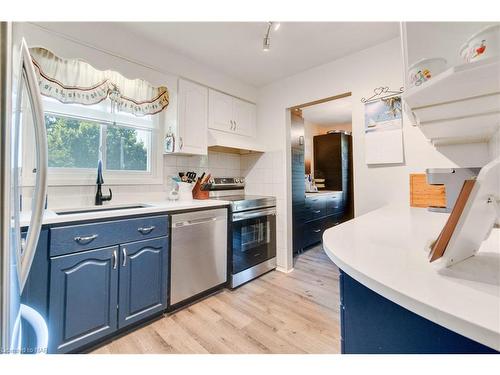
x=460, y=105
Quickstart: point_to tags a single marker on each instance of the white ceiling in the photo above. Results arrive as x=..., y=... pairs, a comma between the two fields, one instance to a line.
x=337, y=111
x=235, y=48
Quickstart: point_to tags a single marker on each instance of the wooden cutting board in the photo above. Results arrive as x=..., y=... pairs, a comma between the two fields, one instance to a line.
x=424, y=195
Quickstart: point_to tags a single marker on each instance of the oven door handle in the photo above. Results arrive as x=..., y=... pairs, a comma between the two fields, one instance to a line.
x=253, y=214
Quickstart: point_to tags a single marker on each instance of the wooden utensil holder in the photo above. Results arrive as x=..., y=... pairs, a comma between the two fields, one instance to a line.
x=198, y=193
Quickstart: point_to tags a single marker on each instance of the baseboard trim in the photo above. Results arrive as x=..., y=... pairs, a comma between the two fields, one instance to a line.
x=284, y=270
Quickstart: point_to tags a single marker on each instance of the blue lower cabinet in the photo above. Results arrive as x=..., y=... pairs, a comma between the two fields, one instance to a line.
x=83, y=298
x=143, y=278
x=372, y=324
x=36, y=291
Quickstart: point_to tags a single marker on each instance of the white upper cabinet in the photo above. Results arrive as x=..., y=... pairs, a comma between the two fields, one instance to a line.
x=244, y=117
x=193, y=118
x=231, y=115
x=220, y=114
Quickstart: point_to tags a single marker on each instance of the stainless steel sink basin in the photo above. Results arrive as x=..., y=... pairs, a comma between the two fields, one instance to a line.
x=99, y=209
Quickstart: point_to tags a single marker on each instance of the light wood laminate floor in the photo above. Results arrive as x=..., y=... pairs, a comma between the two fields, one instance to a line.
x=296, y=312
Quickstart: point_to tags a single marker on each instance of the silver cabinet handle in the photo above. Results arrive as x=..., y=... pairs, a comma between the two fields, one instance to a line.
x=124, y=253
x=86, y=240
x=317, y=230
x=235, y=125
x=146, y=230
x=181, y=143
x=232, y=124
x=115, y=259
x=28, y=73
x=317, y=211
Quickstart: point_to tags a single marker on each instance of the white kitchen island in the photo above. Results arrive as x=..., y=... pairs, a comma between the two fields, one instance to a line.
x=385, y=251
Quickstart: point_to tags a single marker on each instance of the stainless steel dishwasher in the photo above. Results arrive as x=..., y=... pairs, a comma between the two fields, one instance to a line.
x=198, y=253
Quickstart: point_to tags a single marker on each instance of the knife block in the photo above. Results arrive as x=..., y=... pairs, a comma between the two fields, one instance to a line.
x=198, y=193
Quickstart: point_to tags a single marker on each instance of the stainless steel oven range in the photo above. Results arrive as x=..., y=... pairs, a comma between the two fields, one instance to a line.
x=253, y=230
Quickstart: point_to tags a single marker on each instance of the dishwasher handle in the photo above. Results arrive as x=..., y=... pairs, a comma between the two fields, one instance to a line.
x=187, y=223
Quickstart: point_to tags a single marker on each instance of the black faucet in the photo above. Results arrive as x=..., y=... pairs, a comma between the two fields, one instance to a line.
x=99, y=198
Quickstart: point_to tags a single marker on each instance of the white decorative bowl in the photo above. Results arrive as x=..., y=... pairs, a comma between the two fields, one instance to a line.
x=424, y=69
x=485, y=43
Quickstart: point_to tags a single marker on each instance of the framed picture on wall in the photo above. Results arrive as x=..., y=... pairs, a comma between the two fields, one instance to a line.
x=383, y=115
x=384, y=131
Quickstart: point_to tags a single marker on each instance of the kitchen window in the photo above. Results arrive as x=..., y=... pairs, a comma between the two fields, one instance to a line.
x=79, y=143
x=92, y=115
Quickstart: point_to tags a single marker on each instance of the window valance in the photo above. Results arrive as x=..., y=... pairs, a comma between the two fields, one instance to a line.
x=75, y=81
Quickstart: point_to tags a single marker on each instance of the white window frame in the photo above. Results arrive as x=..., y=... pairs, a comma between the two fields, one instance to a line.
x=87, y=176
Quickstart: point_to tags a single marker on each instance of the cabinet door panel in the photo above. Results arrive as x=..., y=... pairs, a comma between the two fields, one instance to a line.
x=143, y=277
x=193, y=118
x=220, y=112
x=244, y=114
x=83, y=298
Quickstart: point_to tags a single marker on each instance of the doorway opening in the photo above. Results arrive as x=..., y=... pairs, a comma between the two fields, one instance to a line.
x=322, y=168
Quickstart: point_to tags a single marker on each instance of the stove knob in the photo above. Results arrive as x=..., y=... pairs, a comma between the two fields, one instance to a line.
x=237, y=180
x=242, y=180
x=211, y=180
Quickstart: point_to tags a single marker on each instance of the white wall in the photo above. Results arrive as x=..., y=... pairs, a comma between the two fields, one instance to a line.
x=374, y=186
x=494, y=146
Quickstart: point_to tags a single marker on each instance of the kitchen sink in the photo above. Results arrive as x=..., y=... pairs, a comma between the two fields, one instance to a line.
x=99, y=209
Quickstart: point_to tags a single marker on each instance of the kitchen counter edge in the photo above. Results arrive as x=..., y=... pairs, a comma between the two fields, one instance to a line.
x=50, y=216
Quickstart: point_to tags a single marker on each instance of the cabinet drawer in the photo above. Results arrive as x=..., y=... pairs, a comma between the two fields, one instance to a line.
x=74, y=238
x=313, y=232
x=333, y=220
x=315, y=208
x=334, y=204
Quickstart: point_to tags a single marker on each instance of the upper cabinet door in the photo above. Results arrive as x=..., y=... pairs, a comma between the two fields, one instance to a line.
x=244, y=114
x=193, y=118
x=220, y=113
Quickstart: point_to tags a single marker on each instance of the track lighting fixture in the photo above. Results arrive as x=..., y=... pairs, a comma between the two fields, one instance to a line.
x=266, y=43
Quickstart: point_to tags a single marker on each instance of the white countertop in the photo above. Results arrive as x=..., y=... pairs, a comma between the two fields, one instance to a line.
x=50, y=217
x=385, y=251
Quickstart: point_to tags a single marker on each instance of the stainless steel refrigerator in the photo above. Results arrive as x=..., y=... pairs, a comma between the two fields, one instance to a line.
x=20, y=104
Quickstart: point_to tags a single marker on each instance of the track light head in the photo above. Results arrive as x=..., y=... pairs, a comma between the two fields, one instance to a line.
x=266, y=44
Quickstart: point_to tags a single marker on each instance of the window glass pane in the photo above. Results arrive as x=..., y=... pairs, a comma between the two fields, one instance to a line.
x=127, y=148
x=72, y=143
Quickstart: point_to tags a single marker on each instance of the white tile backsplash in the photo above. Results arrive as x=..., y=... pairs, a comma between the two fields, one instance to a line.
x=218, y=164
x=263, y=174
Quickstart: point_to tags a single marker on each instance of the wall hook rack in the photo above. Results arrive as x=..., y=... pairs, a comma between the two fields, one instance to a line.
x=382, y=92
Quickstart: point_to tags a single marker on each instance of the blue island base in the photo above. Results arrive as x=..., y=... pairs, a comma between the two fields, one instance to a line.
x=371, y=324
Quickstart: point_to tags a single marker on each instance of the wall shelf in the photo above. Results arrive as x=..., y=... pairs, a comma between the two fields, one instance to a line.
x=460, y=105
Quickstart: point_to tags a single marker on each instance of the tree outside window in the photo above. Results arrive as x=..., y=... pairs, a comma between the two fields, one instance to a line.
x=76, y=143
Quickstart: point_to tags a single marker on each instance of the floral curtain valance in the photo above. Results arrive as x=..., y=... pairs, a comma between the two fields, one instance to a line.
x=75, y=81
